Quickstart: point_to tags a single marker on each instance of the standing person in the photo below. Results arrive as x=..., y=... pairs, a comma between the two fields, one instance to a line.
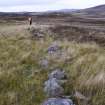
x=30, y=20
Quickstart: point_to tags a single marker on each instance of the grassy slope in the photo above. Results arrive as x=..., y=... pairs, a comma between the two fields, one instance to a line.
x=22, y=78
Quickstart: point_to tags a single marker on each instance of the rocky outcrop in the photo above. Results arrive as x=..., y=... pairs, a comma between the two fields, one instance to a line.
x=54, y=90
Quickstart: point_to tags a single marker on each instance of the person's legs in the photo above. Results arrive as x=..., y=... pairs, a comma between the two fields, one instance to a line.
x=30, y=22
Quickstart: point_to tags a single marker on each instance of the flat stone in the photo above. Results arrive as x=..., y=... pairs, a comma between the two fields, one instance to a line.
x=58, y=101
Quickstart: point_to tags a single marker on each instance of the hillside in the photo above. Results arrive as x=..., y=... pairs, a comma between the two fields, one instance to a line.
x=97, y=9
x=96, y=12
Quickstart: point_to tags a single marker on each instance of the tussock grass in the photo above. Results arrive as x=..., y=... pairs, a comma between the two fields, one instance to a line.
x=22, y=77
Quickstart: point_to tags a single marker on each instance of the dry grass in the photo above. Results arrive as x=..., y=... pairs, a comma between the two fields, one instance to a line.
x=22, y=77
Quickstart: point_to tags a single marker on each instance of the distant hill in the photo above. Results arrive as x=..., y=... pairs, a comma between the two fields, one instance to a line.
x=15, y=13
x=36, y=13
x=97, y=11
x=63, y=11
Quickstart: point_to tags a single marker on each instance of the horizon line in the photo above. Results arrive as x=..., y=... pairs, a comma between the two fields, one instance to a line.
x=49, y=10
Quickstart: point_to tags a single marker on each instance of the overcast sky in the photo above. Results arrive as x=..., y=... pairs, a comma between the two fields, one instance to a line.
x=44, y=5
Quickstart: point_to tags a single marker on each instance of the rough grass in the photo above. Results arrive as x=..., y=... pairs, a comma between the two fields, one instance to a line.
x=22, y=77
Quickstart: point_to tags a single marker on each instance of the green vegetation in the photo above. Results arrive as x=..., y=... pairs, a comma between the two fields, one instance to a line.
x=22, y=77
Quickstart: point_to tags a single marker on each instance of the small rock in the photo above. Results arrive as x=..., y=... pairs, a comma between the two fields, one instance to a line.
x=37, y=33
x=58, y=74
x=58, y=101
x=53, y=48
x=80, y=96
x=44, y=63
x=52, y=88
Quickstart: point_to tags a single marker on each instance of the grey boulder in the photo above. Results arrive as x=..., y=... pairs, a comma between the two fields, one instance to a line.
x=52, y=88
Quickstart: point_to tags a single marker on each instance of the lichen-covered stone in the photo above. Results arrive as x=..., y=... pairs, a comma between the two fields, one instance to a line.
x=52, y=88
x=58, y=74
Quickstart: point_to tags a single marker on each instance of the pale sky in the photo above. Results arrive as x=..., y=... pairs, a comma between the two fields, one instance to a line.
x=44, y=5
